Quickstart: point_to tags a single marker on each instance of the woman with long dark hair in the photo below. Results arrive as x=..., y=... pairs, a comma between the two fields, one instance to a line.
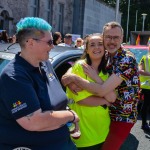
x=92, y=110
x=57, y=38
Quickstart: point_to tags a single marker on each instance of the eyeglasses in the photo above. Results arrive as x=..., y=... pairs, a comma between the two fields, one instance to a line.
x=50, y=42
x=109, y=38
x=78, y=41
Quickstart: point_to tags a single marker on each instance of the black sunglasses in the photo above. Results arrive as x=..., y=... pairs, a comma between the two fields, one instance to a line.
x=50, y=42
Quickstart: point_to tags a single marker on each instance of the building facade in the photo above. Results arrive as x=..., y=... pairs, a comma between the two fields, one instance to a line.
x=57, y=12
x=96, y=14
x=67, y=16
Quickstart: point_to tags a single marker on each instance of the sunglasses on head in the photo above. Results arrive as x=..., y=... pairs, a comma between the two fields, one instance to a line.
x=50, y=42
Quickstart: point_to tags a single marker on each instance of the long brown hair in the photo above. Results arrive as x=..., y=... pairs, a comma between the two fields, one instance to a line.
x=85, y=55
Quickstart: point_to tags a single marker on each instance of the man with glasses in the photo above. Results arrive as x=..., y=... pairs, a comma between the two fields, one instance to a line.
x=33, y=111
x=67, y=40
x=124, y=78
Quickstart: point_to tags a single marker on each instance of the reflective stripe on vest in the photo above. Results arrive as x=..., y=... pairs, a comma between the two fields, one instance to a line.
x=145, y=80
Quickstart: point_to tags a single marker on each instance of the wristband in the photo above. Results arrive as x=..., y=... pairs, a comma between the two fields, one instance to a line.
x=73, y=116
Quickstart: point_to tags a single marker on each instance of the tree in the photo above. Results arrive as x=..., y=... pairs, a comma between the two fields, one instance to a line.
x=140, y=6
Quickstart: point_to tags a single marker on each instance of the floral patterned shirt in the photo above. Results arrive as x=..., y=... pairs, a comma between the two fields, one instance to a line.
x=124, y=65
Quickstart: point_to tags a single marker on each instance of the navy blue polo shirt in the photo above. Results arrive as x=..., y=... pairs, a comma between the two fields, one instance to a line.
x=24, y=89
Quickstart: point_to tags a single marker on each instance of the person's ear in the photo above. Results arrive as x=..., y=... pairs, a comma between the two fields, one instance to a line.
x=30, y=42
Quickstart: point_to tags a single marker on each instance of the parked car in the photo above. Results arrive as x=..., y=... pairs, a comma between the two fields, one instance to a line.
x=61, y=58
x=137, y=50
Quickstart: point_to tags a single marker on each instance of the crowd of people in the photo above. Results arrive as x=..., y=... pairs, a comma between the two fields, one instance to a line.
x=103, y=87
x=67, y=40
x=57, y=39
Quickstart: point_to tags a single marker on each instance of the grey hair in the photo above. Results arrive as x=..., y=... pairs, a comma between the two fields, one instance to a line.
x=112, y=24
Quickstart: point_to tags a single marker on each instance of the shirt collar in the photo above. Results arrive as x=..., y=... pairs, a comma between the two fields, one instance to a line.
x=26, y=64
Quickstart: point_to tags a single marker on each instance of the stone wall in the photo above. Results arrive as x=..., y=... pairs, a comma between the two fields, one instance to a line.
x=16, y=10
x=68, y=15
x=19, y=9
x=96, y=15
x=90, y=19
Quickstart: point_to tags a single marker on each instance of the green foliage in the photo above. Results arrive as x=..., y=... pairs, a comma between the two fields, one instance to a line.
x=139, y=6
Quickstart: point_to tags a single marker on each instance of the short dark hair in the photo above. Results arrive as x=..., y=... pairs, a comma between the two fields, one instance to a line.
x=31, y=27
x=56, y=36
x=25, y=34
x=68, y=36
x=112, y=24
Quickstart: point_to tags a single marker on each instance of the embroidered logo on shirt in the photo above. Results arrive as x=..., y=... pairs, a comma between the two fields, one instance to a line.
x=21, y=148
x=18, y=106
x=51, y=77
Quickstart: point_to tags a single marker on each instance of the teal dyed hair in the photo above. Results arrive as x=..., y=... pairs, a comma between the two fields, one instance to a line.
x=33, y=22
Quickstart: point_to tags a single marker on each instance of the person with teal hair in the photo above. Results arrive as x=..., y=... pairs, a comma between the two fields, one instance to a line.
x=33, y=114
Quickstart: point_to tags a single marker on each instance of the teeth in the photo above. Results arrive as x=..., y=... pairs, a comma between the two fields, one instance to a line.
x=96, y=52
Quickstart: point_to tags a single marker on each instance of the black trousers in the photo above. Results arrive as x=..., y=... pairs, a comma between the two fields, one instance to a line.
x=146, y=106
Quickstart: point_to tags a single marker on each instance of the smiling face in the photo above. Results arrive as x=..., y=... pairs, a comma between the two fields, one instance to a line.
x=79, y=42
x=43, y=47
x=94, y=47
x=113, y=37
x=37, y=49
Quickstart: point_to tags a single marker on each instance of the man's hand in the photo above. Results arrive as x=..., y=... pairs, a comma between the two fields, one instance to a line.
x=107, y=103
x=111, y=97
x=74, y=88
x=67, y=79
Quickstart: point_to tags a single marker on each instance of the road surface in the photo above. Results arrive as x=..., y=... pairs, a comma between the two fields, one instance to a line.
x=137, y=140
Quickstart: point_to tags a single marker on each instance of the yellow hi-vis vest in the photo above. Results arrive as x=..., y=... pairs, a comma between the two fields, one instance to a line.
x=145, y=80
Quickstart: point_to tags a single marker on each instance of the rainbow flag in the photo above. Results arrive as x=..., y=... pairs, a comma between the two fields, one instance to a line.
x=148, y=43
x=138, y=40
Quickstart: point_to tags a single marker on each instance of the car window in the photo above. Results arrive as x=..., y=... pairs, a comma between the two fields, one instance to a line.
x=3, y=63
x=138, y=53
x=63, y=68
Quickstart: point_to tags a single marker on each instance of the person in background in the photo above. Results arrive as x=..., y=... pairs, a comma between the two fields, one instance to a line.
x=78, y=43
x=3, y=36
x=33, y=114
x=124, y=78
x=144, y=70
x=94, y=118
x=67, y=40
x=12, y=39
x=57, y=38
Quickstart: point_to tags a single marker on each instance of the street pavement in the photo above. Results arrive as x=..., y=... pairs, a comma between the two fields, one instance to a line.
x=137, y=140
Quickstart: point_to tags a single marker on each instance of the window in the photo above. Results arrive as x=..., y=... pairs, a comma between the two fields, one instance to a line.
x=34, y=11
x=4, y=21
x=60, y=17
x=48, y=12
x=66, y=64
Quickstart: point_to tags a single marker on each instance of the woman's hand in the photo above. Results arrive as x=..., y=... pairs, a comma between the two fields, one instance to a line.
x=92, y=73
